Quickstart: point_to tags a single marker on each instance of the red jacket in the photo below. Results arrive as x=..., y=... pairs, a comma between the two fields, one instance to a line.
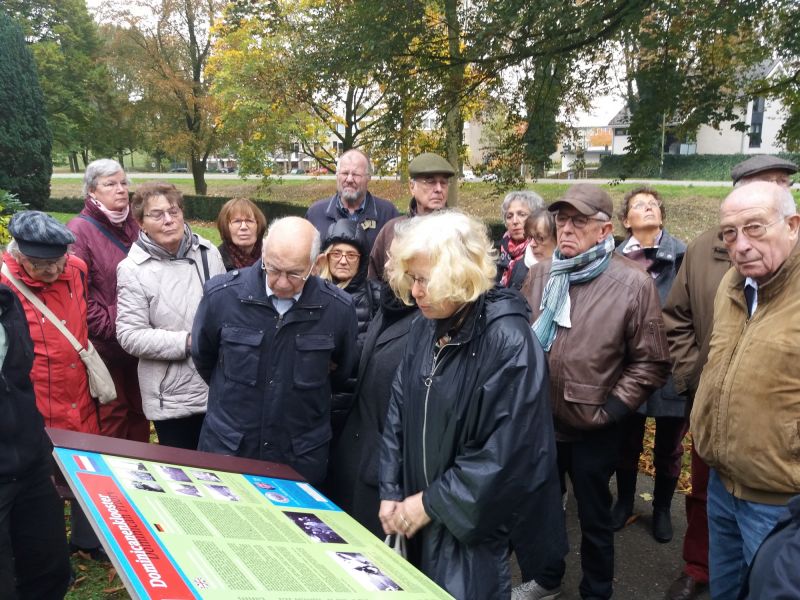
x=58, y=374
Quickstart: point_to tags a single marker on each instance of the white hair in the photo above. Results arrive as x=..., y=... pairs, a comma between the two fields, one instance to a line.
x=103, y=167
x=530, y=199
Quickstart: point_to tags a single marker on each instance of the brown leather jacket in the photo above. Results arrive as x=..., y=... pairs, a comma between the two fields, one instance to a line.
x=689, y=308
x=616, y=346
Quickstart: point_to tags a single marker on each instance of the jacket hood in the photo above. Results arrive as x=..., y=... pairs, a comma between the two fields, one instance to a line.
x=347, y=232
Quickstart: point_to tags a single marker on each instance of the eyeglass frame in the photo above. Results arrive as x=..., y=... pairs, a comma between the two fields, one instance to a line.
x=758, y=227
x=273, y=272
x=37, y=266
x=430, y=181
x=239, y=222
x=351, y=257
x=575, y=224
x=174, y=211
x=641, y=204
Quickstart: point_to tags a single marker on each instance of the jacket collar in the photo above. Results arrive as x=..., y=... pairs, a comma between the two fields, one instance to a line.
x=254, y=288
x=139, y=255
x=370, y=210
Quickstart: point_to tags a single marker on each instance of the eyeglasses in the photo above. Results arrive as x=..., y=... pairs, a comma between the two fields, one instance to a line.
x=293, y=276
x=246, y=222
x=752, y=231
x=112, y=184
x=540, y=239
x=433, y=181
x=44, y=265
x=641, y=205
x=578, y=221
x=158, y=215
x=420, y=281
x=348, y=174
x=350, y=257
x=522, y=215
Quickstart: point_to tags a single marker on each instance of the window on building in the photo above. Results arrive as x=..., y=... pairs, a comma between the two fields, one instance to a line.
x=756, y=122
x=620, y=131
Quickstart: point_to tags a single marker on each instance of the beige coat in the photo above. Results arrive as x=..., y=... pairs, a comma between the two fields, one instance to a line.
x=746, y=415
x=156, y=303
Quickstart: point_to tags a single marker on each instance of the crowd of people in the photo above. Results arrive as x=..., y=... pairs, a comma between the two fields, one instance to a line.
x=435, y=383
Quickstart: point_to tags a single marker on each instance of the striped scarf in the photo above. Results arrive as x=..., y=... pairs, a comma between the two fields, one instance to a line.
x=555, y=304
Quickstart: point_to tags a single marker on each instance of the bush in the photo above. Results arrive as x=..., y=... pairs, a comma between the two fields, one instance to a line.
x=9, y=204
x=200, y=208
x=697, y=167
x=25, y=138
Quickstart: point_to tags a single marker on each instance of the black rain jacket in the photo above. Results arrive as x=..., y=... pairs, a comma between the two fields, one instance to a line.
x=470, y=426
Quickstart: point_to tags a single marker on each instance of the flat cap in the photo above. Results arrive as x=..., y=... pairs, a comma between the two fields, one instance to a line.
x=39, y=235
x=587, y=198
x=760, y=163
x=429, y=163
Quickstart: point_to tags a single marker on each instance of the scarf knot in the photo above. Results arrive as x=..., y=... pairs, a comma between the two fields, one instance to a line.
x=555, y=304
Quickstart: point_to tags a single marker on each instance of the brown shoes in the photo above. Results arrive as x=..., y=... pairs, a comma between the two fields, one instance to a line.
x=685, y=587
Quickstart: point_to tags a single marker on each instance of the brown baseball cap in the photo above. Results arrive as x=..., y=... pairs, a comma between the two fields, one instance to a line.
x=587, y=198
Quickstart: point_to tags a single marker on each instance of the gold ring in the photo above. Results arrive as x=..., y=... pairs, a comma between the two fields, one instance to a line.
x=403, y=519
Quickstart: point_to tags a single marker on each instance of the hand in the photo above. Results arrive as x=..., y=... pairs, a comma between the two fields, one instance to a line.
x=386, y=516
x=410, y=516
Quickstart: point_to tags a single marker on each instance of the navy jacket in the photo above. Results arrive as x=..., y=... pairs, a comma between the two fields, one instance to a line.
x=377, y=212
x=23, y=442
x=270, y=376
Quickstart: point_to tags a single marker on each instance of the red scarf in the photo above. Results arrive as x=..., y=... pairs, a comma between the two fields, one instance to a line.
x=513, y=252
x=242, y=259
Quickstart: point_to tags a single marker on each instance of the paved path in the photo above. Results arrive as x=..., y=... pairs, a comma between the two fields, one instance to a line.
x=644, y=569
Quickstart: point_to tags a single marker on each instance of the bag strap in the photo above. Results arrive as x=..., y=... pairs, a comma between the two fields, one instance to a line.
x=203, y=254
x=125, y=249
x=46, y=312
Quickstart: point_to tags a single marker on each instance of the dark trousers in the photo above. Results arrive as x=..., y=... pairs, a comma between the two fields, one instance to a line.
x=695, y=542
x=123, y=418
x=180, y=433
x=33, y=544
x=589, y=462
x=667, y=447
x=539, y=537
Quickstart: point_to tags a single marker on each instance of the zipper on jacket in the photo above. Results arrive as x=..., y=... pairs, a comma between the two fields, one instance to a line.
x=428, y=382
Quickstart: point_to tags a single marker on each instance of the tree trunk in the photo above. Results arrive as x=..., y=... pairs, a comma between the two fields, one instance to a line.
x=199, y=175
x=73, y=162
x=454, y=119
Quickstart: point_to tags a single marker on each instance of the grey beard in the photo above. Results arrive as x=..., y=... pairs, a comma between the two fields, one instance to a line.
x=350, y=198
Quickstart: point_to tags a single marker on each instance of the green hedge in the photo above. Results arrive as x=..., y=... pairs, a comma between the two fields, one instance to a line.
x=201, y=208
x=206, y=208
x=697, y=167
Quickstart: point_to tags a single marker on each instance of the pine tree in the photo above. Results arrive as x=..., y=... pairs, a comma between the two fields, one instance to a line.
x=25, y=138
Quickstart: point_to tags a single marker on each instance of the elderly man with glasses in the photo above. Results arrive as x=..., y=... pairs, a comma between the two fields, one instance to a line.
x=430, y=179
x=598, y=318
x=352, y=199
x=746, y=414
x=271, y=341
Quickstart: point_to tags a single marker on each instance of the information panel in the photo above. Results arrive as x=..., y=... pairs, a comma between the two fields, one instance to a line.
x=176, y=531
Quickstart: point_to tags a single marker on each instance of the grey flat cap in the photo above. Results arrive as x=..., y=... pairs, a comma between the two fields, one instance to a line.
x=760, y=163
x=39, y=235
x=429, y=163
x=587, y=198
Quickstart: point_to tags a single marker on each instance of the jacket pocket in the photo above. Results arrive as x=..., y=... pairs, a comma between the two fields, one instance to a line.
x=583, y=404
x=241, y=351
x=219, y=438
x=310, y=441
x=312, y=359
